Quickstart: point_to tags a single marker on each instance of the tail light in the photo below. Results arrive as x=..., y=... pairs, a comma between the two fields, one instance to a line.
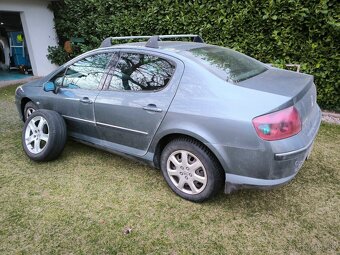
x=278, y=125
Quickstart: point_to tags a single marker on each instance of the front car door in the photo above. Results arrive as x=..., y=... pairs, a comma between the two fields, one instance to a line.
x=137, y=95
x=78, y=87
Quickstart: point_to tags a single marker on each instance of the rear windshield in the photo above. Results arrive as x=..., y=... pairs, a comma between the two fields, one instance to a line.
x=228, y=64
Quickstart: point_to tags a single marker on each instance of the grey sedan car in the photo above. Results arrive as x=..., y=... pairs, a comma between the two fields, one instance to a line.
x=207, y=116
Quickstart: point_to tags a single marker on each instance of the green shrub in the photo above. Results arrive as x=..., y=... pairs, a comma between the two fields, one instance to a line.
x=286, y=31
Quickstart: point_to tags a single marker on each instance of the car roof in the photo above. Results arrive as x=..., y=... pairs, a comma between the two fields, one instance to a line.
x=172, y=46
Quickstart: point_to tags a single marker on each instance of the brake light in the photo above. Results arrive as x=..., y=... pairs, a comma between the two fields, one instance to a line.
x=278, y=125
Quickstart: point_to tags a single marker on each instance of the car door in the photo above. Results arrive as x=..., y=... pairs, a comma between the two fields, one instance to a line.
x=77, y=89
x=136, y=97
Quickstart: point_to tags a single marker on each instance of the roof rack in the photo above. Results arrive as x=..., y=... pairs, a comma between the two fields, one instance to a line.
x=152, y=40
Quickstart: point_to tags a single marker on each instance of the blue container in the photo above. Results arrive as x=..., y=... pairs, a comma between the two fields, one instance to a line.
x=19, y=52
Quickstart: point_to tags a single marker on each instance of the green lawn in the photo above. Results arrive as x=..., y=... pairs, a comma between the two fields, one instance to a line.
x=81, y=203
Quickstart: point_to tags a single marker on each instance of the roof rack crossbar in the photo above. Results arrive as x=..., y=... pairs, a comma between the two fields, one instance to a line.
x=108, y=41
x=152, y=40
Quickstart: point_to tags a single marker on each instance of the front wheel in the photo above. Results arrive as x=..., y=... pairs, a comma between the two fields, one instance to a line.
x=44, y=135
x=190, y=170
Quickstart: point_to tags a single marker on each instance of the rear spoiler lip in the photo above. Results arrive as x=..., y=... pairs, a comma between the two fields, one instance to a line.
x=293, y=92
x=296, y=98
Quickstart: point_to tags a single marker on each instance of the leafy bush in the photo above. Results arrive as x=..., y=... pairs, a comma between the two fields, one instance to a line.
x=278, y=32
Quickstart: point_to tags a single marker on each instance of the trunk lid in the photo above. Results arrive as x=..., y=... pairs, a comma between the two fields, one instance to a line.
x=297, y=87
x=281, y=82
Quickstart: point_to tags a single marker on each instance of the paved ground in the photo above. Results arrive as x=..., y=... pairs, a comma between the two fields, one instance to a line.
x=4, y=83
x=12, y=75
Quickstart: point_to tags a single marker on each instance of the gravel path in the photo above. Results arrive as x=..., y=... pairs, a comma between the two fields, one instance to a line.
x=331, y=117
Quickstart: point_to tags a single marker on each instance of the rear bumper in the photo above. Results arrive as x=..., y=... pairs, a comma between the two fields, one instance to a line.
x=295, y=153
x=286, y=162
x=235, y=182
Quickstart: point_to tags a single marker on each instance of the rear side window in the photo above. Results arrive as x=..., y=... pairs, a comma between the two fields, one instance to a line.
x=141, y=72
x=228, y=64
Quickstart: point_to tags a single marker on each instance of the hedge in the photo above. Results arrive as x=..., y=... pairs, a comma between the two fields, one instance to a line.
x=278, y=32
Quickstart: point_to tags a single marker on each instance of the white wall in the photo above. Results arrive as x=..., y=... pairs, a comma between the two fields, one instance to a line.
x=38, y=25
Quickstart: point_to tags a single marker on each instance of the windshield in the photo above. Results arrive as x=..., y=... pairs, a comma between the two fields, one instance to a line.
x=228, y=64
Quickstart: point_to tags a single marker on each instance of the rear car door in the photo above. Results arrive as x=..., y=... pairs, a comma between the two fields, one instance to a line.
x=78, y=87
x=136, y=97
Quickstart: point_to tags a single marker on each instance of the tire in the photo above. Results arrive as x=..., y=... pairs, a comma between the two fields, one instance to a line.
x=29, y=108
x=196, y=179
x=44, y=135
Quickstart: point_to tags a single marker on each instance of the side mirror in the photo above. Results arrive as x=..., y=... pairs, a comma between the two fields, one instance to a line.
x=49, y=86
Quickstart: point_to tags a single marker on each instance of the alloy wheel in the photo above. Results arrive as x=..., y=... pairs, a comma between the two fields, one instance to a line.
x=29, y=111
x=36, y=134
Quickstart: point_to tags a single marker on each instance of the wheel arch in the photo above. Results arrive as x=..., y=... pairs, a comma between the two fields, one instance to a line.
x=23, y=102
x=165, y=139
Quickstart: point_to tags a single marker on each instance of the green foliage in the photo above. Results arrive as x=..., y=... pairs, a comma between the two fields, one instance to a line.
x=278, y=32
x=57, y=55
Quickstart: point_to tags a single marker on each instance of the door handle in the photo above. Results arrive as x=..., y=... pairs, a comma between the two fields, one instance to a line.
x=152, y=108
x=86, y=100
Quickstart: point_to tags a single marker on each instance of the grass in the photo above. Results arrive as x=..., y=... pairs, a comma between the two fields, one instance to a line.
x=81, y=203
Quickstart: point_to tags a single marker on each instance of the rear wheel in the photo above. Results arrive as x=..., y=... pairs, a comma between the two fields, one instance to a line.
x=29, y=108
x=190, y=170
x=44, y=135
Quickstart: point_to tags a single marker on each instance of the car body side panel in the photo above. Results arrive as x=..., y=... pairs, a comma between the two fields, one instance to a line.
x=66, y=102
x=30, y=90
x=219, y=114
x=79, y=116
x=76, y=105
x=122, y=119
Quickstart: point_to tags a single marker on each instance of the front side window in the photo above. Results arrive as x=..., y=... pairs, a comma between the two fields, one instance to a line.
x=58, y=78
x=228, y=64
x=141, y=72
x=87, y=72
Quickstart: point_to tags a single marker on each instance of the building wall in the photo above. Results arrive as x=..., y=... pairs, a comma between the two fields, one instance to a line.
x=38, y=25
